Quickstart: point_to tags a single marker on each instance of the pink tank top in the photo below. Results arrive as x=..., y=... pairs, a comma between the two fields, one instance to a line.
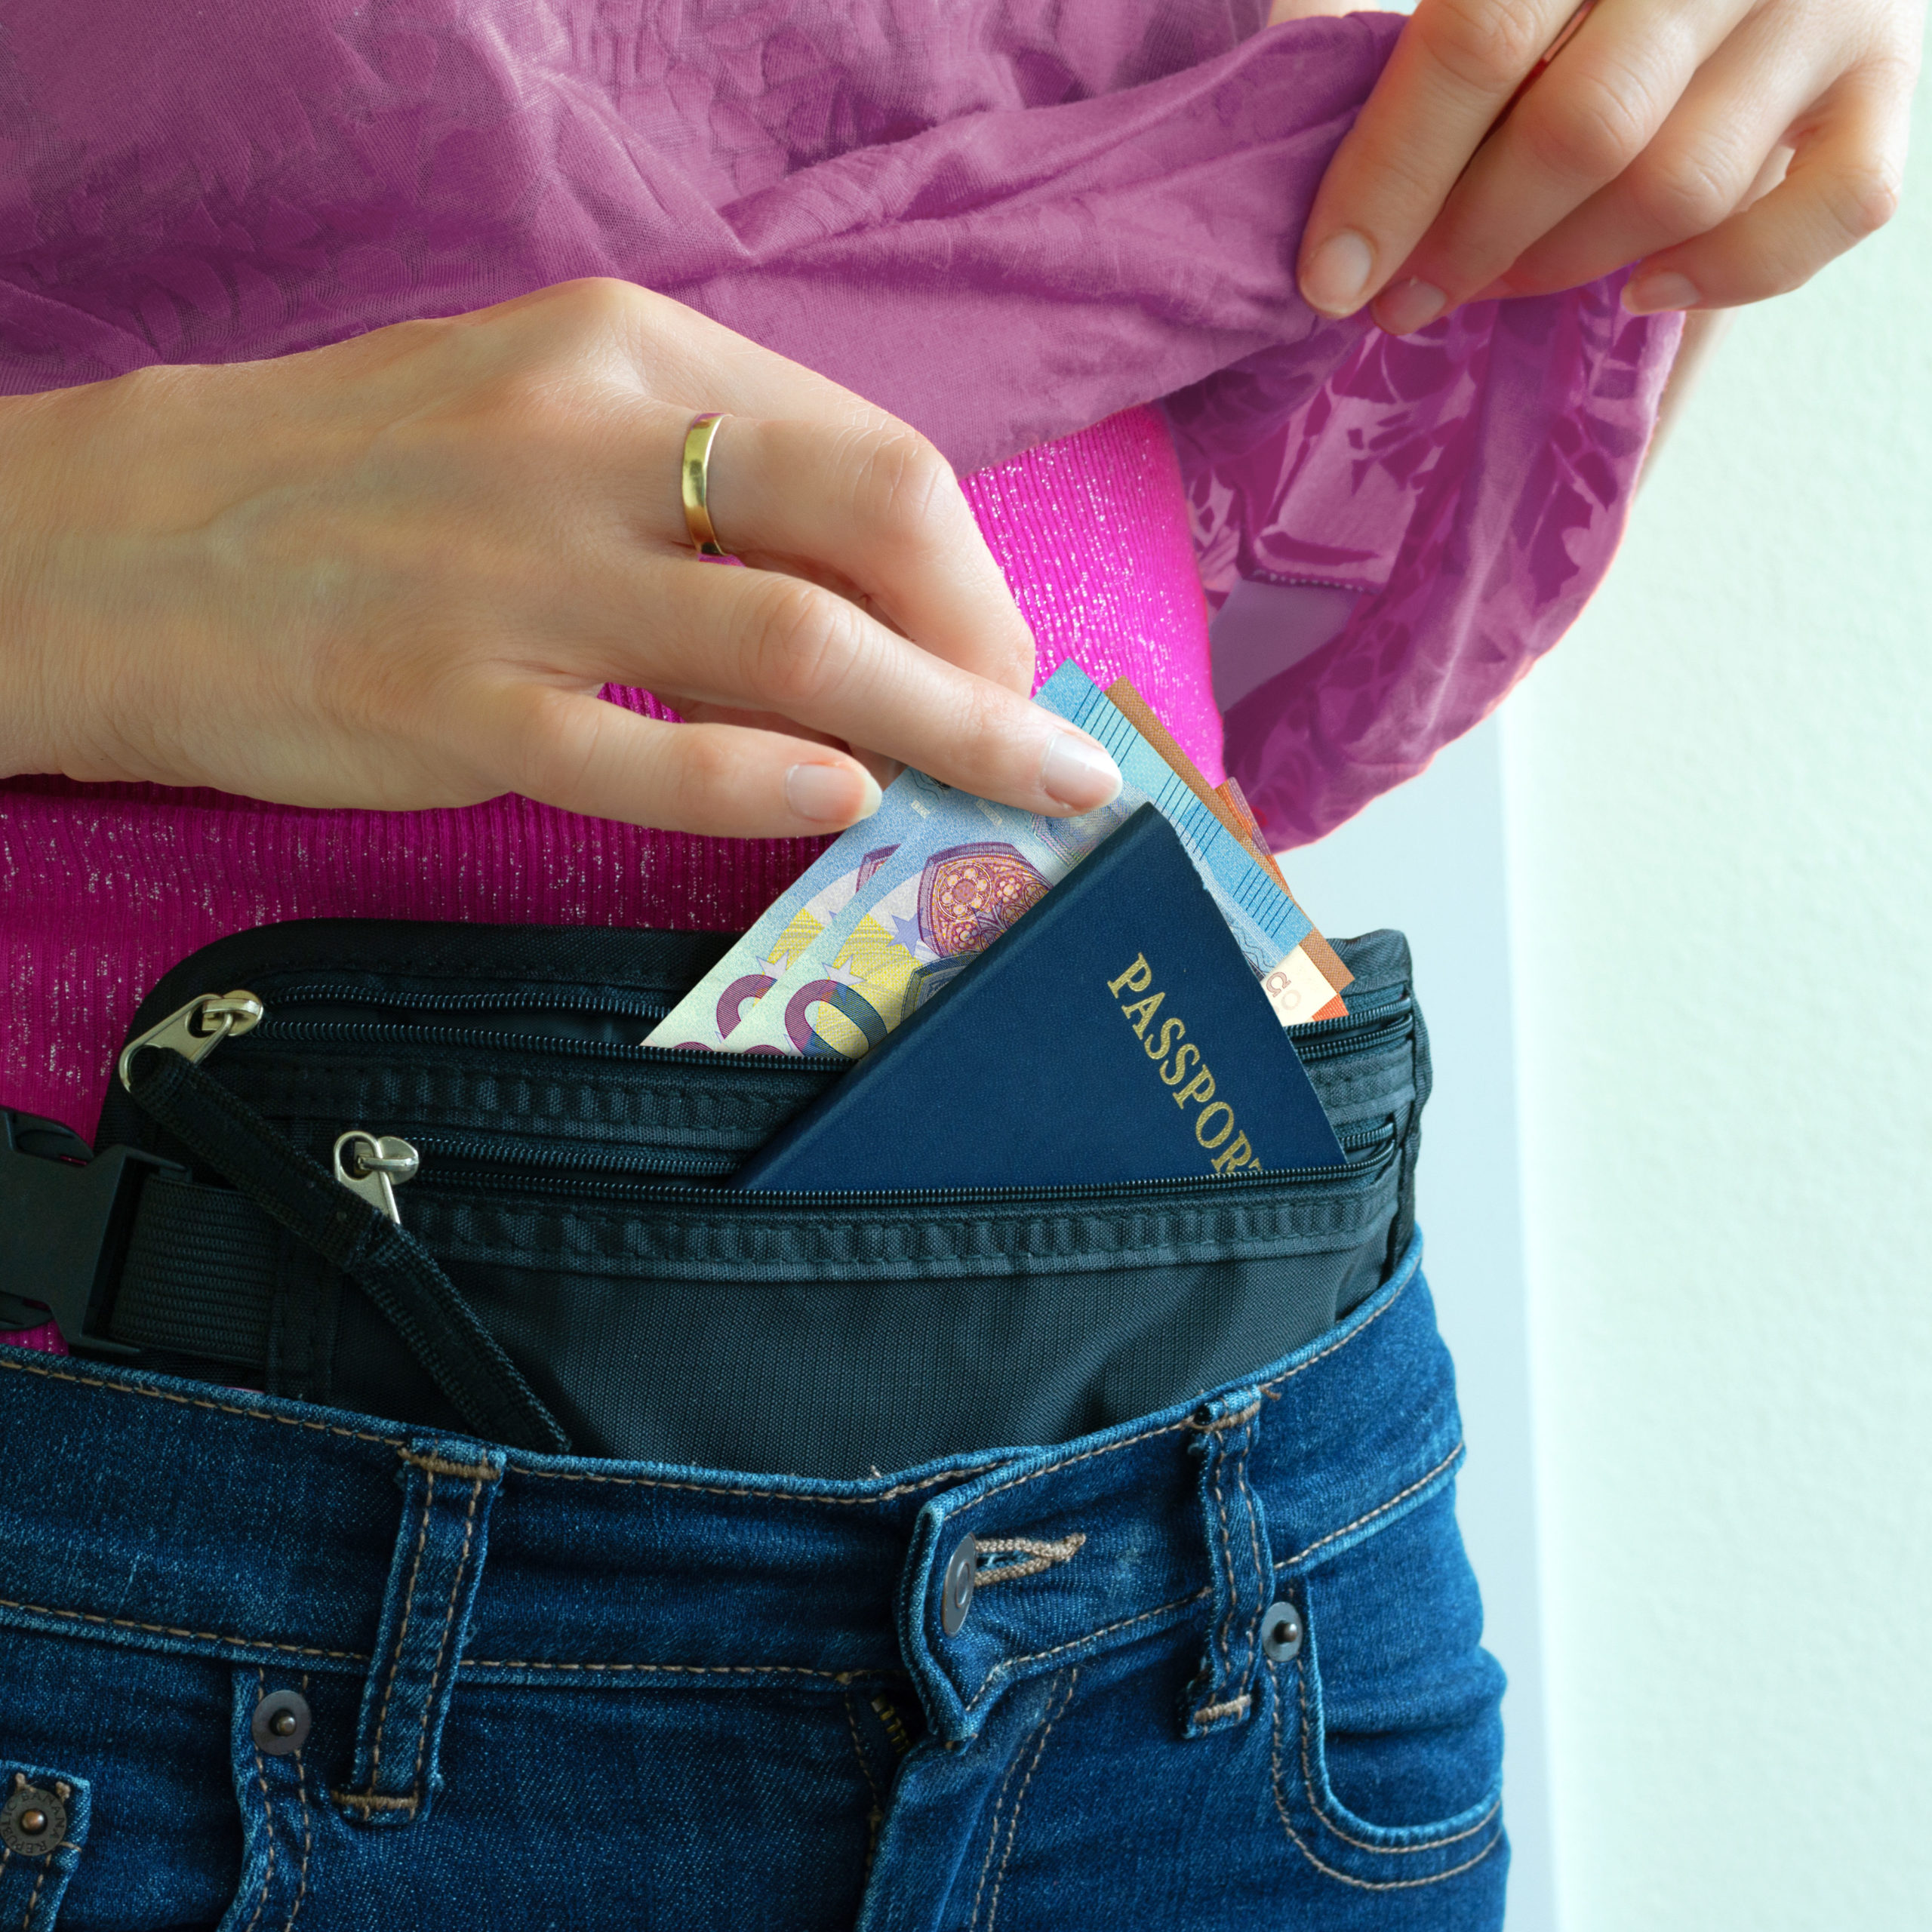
x=103, y=887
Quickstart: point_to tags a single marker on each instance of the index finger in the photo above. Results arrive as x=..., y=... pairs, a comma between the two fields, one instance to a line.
x=1454, y=69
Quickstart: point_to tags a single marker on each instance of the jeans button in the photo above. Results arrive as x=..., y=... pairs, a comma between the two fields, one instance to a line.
x=1281, y=1631
x=32, y=1821
x=280, y=1725
x=956, y=1590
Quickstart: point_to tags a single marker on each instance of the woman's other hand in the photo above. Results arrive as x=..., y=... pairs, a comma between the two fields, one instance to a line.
x=396, y=572
x=1658, y=135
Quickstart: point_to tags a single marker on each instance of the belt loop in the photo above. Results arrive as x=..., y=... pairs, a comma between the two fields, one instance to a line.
x=447, y=1490
x=1225, y=1432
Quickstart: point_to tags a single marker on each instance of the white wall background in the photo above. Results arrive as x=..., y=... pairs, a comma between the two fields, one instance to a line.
x=1719, y=795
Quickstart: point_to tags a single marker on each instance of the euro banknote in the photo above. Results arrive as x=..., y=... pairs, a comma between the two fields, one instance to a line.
x=1229, y=804
x=1267, y=923
x=713, y=1008
x=934, y=907
x=971, y=869
x=983, y=864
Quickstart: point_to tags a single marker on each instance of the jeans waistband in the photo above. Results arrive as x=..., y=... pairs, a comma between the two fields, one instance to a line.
x=171, y=1516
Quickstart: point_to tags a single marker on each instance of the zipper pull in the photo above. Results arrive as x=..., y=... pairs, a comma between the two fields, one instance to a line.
x=374, y=1165
x=198, y=1029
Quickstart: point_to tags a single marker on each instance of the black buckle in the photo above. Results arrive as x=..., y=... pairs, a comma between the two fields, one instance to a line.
x=65, y=1213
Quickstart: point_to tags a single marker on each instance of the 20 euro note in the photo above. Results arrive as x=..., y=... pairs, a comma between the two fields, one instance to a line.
x=940, y=901
x=713, y=1008
x=920, y=827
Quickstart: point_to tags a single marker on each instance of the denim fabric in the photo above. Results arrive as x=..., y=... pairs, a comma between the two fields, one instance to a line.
x=559, y=1692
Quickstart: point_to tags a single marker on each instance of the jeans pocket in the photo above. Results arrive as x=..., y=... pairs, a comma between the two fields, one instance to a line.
x=1386, y=1726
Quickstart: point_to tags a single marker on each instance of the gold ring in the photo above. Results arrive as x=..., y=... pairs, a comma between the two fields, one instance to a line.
x=694, y=475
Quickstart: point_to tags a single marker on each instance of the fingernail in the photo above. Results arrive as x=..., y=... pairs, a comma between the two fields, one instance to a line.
x=1077, y=772
x=831, y=794
x=1335, y=277
x=1409, y=306
x=1649, y=294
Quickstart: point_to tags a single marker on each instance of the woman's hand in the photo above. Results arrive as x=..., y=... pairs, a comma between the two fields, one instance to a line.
x=1657, y=136
x=396, y=572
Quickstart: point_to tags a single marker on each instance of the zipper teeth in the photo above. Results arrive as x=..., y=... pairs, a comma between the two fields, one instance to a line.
x=1382, y=1032
x=641, y=1006
x=350, y=1033
x=1369, y=1023
x=1312, y=1042
x=575, y=1159
x=1378, y=1141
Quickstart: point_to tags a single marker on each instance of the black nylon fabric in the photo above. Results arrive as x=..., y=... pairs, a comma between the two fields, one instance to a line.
x=199, y=1260
x=569, y=1189
x=440, y=1331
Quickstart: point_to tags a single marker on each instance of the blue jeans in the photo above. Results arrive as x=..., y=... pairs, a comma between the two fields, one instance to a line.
x=1219, y=1667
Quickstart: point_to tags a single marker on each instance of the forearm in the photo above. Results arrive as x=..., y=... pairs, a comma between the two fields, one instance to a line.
x=26, y=742
x=397, y=571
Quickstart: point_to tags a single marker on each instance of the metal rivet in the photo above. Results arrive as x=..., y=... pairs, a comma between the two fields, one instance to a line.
x=32, y=1821
x=1281, y=1631
x=280, y=1724
x=956, y=1596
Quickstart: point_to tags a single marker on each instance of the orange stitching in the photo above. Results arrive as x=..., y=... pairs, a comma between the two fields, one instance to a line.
x=1361, y=1845
x=1074, y=1643
x=1360, y=1884
x=268, y=1820
x=308, y=1833
x=198, y=1402
x=760, y=1495
x=361, y=1800
x=1085, y=1455
x=1227, y=1569
x=1224, y=1421
x=1233, y=1707
x=875, y=1816
x=1038, y=1555
x=402, y=1631
x=443, y=1647
x=992, y=1837
x=1013, y=1819
x=859, y=1751
x=442, y=1465
x=1302, y=1368
x=1380, y=1509
x=1264, y=1575
x=683, y=1669
x=33, y=1897
x=701, y=1489
x=1168, y=1429
x=463, y=1663
x=173, y=1630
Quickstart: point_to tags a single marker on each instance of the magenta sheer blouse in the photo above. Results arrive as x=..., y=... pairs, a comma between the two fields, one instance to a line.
x=1056, y=236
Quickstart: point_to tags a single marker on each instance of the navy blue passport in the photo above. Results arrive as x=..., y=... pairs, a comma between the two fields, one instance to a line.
x=1114, y=1033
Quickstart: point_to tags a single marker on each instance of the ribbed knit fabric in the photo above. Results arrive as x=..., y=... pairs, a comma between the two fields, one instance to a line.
x=103, y=887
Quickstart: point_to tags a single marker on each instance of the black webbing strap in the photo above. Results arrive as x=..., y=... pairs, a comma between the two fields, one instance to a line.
x=199, y=1276
x=397, y=1273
